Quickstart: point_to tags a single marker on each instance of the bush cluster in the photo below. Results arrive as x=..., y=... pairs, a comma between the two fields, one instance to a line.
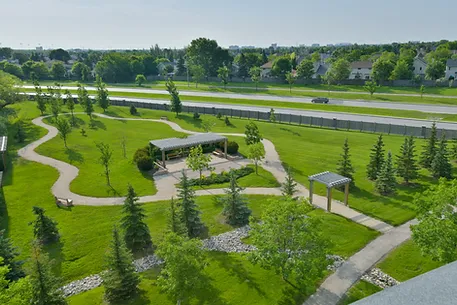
x=144, y=158
x=196, y=115
x=232, y=147
x=222, y=177
x=133, y=110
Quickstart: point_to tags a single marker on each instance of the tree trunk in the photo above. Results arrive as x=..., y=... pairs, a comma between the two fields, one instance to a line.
x=256, y=166
x=287, y=281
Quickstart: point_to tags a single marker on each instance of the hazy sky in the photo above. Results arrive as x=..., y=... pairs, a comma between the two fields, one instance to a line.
x=106, y=24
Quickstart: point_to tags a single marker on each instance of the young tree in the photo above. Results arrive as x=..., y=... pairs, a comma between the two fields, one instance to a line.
x=422, y=90
x=175, y=224
x=223, y=73
x=252, y=134
x=175, y=101
x=120, y=280
x=44, y=227
x=70, y=102
x=39, y=98
x=45, y=286
x=64, y=129
x=235, y=211
x=344, y=165
x=290, y=78
x=289, y=187
x=190, y=215
x=256, y=152
x=136, y=231
x=429, y=150
x=290, y=242
x=102, y=94
x=376, y=159
x=441, y=167
x=406, y=161
x=105, y=159
x=340, y=70
x=198, y=72
x=386, y=182
x=436, y=232
x=9, y=255
x=181, y=275
x=140, y=79
x=197, y=160
x=272, y=115
x=305, y=69
x=328, y=78
x=58, y=70
x=17, y=292
x=371, y=87
x=256, y=76
x=85, y=101
x=55, y=101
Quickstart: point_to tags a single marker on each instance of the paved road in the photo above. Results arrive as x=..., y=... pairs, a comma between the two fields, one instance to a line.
x=341, y=102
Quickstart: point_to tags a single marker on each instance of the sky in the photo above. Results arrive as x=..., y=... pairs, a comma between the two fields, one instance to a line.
x=128, y=24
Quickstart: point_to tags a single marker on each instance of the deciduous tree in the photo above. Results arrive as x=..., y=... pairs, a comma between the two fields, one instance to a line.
x=340, y=70
x=370, y=87
x=435, y=70
x=223, y=73
x=39, y=98
x=17, y=292
x=175, y=101
x=102, y=94
x=197, y=73
x=197, y=160
x=252, y=134
x=140, y=79
x=64, y=129
x=290, y=78
x=305, y=69
x=256, y=152
x=85, y=101
x=70, y=103
x=106, y=154
x=58, y=70
x=255, y=73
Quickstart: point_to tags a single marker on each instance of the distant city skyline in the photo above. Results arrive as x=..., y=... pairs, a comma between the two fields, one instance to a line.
x=140, y=24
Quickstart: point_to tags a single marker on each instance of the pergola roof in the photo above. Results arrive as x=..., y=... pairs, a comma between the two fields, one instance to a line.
x=190, y=141
x=330, y=179
x=3, y=142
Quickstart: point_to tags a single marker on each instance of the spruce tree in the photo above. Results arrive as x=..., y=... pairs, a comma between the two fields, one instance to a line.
x=175, y=223
x=136, y=231
x=120, y=280
x=376, y=159
x=175, y=101
x=44, y=227
x=289, y=187
x=9, y=255
x=386, y=183
x=441, y=167
x=235, y=211
x=406, y=162
x=344, y=165
x=46, y=286
x=428, y=154
x=190, y=215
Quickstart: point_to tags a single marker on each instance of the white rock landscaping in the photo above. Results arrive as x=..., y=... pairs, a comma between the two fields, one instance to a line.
x=376, y=277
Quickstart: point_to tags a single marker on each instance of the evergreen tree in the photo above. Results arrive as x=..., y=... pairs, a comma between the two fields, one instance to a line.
x=289, y=187
x=136, y=231
x=386, y=183
x=428, y=154
x=235, y=206
x=190, y=215
x=102, y=94
x=175, y=101
x=46, y=286
x=9, y=255
x=120, y=280
x=376, y=159
x=441, y=167
x=344, y=165
x=406, y=162
x=181, y=67
x=44, y=228
x=175, y=223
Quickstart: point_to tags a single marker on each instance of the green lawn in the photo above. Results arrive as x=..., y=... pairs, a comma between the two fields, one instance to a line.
x=359, y=291
x=407, y=262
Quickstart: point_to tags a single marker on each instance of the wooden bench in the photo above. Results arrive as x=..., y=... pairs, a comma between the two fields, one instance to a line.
x=173, y=156
x=164, y=118
x=63, y=202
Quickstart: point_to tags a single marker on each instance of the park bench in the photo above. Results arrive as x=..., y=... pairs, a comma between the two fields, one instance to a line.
x=164, y=118
x=174, y=156
x=63, y=202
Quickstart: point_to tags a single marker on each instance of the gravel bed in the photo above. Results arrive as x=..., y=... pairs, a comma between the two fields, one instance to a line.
x=379, y=278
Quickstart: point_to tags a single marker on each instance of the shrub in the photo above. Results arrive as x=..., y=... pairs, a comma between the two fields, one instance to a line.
x=222, y=177
x=219, y=115
x=232, y=147
x=133, y=110
x=141, y=152
x=196, y=115
x=144, y=163
x=227, y=121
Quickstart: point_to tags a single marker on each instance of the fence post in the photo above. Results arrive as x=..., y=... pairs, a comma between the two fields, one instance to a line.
x=258, y=115
x=405, y=131
x=231, y=112
x=375, y=127
x=390, y=126
x=322, y=121
x=334, y=123
x=424, y=131
x=361, y=126
x=249, y=114
x=300, y=120
x=348, y=125
x=310, y=121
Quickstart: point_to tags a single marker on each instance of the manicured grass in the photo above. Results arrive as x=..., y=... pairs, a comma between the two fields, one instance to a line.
x=407, y=262
x=263, y=179
x=359, y=291
x=233, y=280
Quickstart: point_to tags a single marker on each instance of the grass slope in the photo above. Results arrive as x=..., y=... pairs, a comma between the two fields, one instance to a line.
x=359, y=291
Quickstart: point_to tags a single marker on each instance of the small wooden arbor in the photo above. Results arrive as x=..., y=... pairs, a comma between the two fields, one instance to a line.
x=330, y=180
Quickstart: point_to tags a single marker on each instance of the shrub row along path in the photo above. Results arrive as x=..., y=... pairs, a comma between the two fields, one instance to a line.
x=333, y=287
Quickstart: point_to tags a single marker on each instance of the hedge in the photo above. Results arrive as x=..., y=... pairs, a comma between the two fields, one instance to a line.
x=222, y=177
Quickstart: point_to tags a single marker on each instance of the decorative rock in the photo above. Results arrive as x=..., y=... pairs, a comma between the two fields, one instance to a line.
x=146, y=263
x=337, y=262
x=79, y=286
x=229, y=241
x=379, y=278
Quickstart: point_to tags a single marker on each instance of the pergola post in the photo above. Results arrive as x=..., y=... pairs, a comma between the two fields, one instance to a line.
x=163, y=159
x=225, y=148
x=311, y=182
x=329, y=199
x=346, y=194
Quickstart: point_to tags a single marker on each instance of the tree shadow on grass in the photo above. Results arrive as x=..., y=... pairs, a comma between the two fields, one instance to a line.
x=56, y=255
x=78, y=122
x=235, y=267
x=208, y=294
x=290, y=131
x=291, y=295
x=74, y=156
x=4, y=218
x=197, y=123
x=96, y=124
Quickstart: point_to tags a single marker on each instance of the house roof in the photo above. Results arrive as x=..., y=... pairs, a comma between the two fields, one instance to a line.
x=436, y=287
x=321, y=69
x=421, y=59
x=366, y=64
x=190, y=141
x=330, y=179
x=451, y=63
x=268, y=65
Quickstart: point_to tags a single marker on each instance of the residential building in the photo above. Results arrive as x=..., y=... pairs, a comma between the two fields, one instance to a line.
x=451, y=69
x=419, y=66
x=315, y=45
x=234, y=48
x=320, y=69
x=361, y=69
x=266, y=69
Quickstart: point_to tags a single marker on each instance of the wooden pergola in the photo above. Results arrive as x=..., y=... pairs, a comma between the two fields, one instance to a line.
x=330, y=180
x=191, y=141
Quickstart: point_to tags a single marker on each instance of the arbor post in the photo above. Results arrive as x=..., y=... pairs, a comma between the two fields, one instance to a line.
x=346, y=194
x=329, y=199
x=163, y=159
x=311, y=182
x=225, y=148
